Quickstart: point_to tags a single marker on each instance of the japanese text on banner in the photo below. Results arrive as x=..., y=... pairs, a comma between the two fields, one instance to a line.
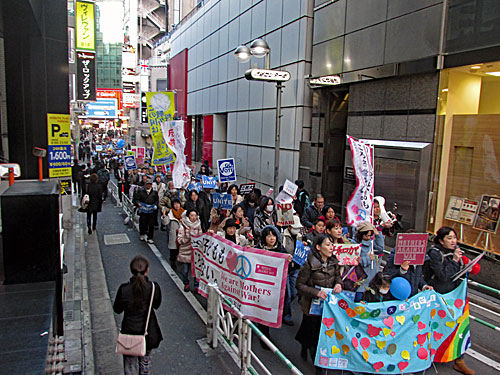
x=161, y=108
x=254, y=280
x=359, y=205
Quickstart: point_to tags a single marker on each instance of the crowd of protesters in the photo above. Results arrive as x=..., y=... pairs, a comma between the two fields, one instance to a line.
x=252, y=222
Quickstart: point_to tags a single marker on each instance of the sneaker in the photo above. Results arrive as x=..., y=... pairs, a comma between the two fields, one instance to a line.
x=288, y=322
x=186, y=288
x=150, y=240
x=142, y=237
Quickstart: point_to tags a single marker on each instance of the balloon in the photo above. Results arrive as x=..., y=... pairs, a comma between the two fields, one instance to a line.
x=405, y=354
x=120, y=143
x=465, y=260
x=400, y=288
x=475, y=269
x=365, y=355
x=391, y=349
x=345, y=349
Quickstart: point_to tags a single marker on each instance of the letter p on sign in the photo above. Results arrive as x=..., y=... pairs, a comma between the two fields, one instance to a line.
x=56, y=128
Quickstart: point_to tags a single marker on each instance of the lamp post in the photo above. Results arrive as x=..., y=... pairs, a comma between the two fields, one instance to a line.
x=259, y=48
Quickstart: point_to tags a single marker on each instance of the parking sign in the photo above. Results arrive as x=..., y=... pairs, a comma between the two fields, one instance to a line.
x=227, y=170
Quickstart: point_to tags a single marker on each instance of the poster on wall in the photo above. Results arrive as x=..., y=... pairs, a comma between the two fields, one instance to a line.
x=487, y=215
x=468, y=211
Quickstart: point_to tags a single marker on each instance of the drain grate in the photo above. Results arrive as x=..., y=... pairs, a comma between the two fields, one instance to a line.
x=116, y=239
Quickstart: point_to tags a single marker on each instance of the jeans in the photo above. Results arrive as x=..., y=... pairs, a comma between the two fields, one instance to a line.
x=185, y=269
x=137, y=365
x=92, y=218
x=291, y=293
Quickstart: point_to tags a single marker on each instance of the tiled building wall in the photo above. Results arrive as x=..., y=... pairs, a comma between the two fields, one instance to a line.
x=216, y=83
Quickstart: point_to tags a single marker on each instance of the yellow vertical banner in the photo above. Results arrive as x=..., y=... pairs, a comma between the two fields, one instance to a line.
x=85, y=26
x=161, y=108
x=59, y=137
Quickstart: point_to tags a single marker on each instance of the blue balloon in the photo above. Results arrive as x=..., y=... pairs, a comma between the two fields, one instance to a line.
x=120, y=143
x=400, y=288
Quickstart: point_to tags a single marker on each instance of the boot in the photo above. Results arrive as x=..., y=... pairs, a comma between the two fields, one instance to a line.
x=460, y=366
x=303, y=353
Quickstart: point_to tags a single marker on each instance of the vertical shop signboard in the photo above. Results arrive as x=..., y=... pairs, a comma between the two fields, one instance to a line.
x=85, y=26
x=59, y=136
x=86, y=76
x=161, y=108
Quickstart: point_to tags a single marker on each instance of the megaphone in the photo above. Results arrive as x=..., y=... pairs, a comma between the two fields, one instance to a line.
x=384, y=215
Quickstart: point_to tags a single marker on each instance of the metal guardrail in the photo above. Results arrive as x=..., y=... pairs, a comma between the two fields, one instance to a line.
x=238, y=333
x=113, y=190
x=485, y=287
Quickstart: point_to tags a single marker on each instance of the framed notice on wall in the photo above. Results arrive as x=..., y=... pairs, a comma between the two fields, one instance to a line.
x=468, y=211
x=454, y=207
x=487, y=215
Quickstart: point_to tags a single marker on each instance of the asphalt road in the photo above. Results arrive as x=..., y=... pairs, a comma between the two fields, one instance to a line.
x=182, y=327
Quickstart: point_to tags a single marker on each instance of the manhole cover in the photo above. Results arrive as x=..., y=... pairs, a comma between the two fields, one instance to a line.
x=116, y=239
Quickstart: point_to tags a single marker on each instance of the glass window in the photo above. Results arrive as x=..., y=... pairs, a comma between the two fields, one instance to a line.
x=467, y=154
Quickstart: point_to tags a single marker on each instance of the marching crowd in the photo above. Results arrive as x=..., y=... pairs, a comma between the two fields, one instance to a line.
x=252, y=222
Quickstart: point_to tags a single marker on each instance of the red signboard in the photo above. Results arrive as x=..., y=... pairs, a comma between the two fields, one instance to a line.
x=411, y=247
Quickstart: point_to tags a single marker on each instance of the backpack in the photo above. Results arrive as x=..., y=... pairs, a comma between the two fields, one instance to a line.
x=103, y=176
x=302, y=202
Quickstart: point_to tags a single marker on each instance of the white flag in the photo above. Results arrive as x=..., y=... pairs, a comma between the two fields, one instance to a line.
x=173, y=133
x=359, y=206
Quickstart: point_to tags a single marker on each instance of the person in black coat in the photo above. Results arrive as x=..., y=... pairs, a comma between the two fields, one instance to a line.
x=94, y=190
x=146, y=200
x=312, y=212
x=133, y=299
x=379, y=289
x=121, y=175
x=201, y=203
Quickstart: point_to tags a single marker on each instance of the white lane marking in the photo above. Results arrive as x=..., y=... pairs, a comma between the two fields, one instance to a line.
x=192, y=300
x=482, y=358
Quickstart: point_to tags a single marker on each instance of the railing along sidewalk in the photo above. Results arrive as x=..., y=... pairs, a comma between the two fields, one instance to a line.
x=238, y=333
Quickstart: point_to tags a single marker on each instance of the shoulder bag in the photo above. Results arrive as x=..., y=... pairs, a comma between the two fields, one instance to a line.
x=135, y=345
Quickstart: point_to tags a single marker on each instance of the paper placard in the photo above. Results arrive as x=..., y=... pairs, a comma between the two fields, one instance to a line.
x=300, y=253
x=347, y=254
x=290, y=188
x=411, y=247
x=247, y=188
x=224, y=201
x=285, y=214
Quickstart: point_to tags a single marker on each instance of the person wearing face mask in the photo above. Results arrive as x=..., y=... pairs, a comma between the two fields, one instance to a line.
x=379, y=289
x=372, y=244
x=445, y=260
x=266, y=215
x=291, y=235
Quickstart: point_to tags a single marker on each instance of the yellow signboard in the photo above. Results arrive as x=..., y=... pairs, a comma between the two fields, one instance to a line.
x=85, y=26
x=59, y=153
x=161, y=108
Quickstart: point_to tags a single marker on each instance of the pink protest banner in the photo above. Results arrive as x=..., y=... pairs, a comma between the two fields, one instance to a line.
x=411, y=247
x=140, y=154
x=254, y=280
x=347, y=254
x=360, y=204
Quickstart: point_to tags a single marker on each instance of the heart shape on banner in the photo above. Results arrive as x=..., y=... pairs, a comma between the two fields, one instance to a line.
x=231, y=260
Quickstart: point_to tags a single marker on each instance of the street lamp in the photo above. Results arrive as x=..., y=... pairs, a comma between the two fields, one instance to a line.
x=259, y=48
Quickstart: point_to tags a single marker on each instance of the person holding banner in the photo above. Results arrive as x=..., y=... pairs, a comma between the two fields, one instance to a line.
x=201, y=203
x=318, y=274
x=190, y=226
x=230, y=232
x=445, y=260
x=235, y=194
x=265, y=215
x=270, y=240
x=372, y=244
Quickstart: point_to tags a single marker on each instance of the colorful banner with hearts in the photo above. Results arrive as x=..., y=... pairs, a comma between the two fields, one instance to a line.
x=254, y=280
x=394, y=336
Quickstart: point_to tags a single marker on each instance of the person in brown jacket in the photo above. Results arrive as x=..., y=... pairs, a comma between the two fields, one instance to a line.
x=321, y=271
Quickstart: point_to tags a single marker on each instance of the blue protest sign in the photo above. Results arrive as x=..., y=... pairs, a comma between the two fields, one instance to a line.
x=300, y=253
x=130, y=162
x=195, y=186
x=224, y=201
x=227, y=170
x=208, y=182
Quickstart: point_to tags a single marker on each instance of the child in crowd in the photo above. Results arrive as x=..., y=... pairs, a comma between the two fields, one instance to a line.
x=379, y=289
x=318, y=228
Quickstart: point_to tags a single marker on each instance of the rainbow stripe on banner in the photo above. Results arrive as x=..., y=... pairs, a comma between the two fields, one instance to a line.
x=458, y=342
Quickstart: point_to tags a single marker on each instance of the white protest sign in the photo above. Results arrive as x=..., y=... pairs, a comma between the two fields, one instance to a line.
x=285, y=214
x=254, y=280
x=290, y=188
x=347, y=254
